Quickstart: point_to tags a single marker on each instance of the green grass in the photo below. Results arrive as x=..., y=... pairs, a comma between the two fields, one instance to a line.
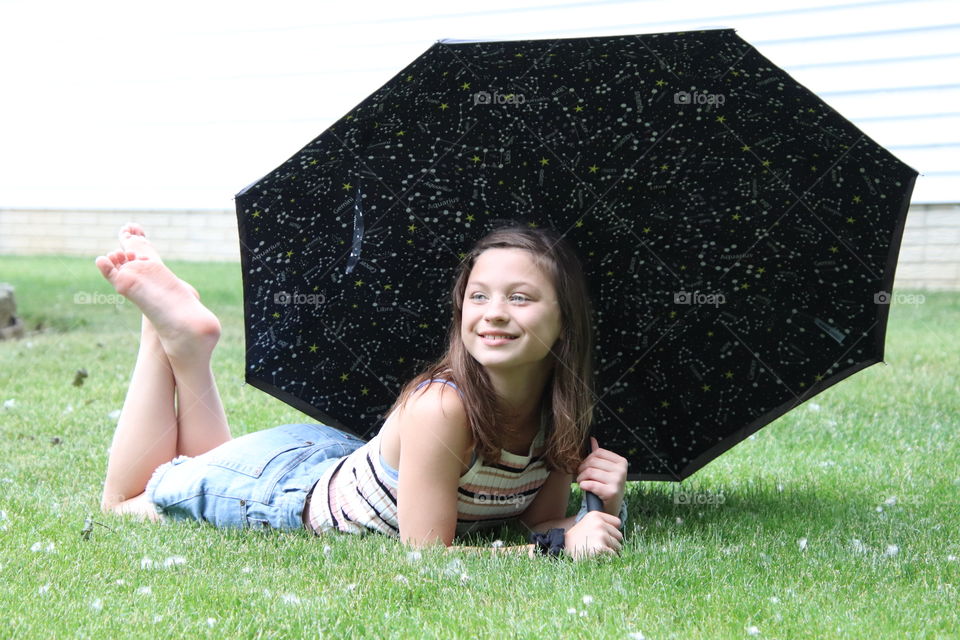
x=824, y=473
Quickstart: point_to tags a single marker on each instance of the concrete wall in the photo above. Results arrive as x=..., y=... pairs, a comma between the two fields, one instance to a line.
x=929, y=256
x=204, y=235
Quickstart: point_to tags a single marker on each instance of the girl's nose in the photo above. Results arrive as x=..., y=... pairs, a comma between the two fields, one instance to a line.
x=495, y=309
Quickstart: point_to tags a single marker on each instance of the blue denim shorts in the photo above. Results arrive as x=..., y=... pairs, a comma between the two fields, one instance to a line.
x=260, y=480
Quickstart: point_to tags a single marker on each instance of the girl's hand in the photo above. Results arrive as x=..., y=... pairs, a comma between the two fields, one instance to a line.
x=596, y=533
x=604, y=473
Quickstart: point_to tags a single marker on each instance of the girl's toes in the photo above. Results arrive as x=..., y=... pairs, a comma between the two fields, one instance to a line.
x=105, y=265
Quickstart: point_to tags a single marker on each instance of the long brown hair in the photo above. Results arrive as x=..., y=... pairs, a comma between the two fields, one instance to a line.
x=568, y=394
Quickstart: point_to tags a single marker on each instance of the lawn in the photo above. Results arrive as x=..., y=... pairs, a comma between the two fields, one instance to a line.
x=839, y=520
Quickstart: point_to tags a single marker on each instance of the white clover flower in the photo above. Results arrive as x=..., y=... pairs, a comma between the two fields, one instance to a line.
x=572, y=610
x=351, y=587
x=145, y=590
x=891, y=550
x=211, y=622
x=174, y=561
x=858, y=546
x=120, y=582
x=892, y=500
x=246, y=570
x=401, y=579
x=588, y=600
x=146, y=563
x=327, y=549
x=414, y=556
x=97, y=605
x=951, y=558
x=290, y=598
x=813, y=406
x=496, y=544
x=9, y=404
x=36, y=547
x=753, y=631
x=636, y=635
x=44, y=589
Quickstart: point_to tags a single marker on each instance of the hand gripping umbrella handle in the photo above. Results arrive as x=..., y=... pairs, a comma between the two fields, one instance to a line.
x=594, y=503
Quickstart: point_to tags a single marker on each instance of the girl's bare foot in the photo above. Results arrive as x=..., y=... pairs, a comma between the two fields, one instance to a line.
x=133, y=238
x=187, y=329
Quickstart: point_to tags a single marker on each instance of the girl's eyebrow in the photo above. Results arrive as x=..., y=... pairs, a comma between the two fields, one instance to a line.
x=510, y=285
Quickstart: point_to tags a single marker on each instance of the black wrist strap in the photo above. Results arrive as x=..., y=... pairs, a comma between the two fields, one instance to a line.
x=549, y=543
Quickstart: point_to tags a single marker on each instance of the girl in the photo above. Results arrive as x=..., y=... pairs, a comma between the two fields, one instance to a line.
x=491, y=432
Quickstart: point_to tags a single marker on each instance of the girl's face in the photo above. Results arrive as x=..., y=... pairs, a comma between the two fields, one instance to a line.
x=510, y=313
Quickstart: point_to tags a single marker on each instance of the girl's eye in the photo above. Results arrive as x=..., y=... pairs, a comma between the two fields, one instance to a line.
x=477, y=297
x=519, y=298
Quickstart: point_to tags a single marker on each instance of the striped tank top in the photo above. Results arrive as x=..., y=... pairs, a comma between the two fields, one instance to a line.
x=359, y=493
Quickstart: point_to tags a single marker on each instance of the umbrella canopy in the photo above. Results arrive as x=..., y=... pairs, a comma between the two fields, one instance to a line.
x=739, y=235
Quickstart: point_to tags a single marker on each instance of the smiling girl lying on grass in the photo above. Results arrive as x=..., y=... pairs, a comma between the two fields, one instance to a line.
x=492, y=432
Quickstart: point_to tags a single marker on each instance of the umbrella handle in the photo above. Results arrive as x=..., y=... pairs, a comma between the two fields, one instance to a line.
x=594, y=503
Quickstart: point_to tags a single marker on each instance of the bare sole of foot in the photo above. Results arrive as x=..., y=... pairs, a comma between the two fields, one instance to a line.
x=187, y=329
x=133, y=238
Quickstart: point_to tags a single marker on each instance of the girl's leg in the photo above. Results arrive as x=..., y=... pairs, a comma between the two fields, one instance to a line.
x=202, y=420
x=146, y=434
x=149, y=433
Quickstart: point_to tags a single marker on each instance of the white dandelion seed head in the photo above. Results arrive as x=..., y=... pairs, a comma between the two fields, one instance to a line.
x=351, y=587
x=246, y=570
x=879, y=509
x=753, y=631
x=587, y=600
x=157, y=618
x=145, y=590
x=636, y=635
x=679, y=520
x=858, y=546
x=211, y=622
x=892, y=500
x=9, y=404
x=327, y=549
x=813, y=406
x=414, y=556
x=146, y=563
x=774, y=599
x=583, y=613
x=496, y=544
x=44, y=589
x=402, y=579
x=290, y=598
x=120, y=582
x=97, y=605
x=572, y=610
x=464, y=578
x=951, y=558
x=802, y=543
x=891, y=550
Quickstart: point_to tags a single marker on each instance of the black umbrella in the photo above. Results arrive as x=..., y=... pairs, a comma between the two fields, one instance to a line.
x=739, y=235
